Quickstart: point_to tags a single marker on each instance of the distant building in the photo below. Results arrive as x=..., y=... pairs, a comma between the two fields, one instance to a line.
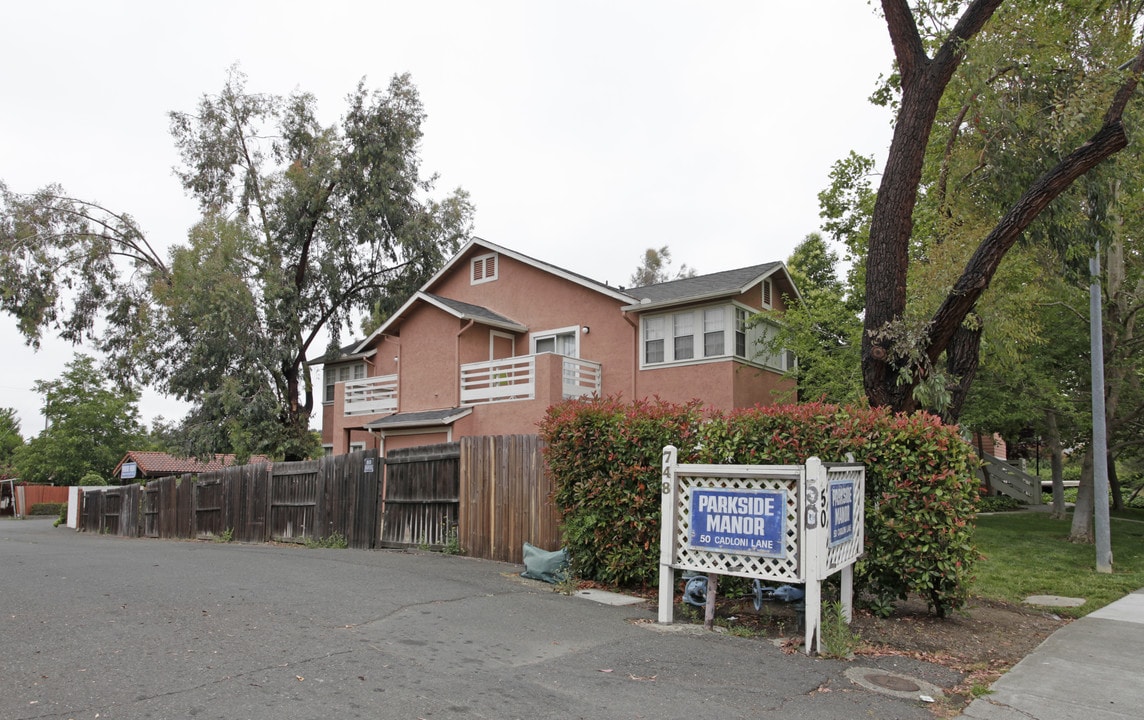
x=139, y=465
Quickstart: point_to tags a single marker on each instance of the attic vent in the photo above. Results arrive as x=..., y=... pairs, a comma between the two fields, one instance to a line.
x=766, y=293
x=484, y=269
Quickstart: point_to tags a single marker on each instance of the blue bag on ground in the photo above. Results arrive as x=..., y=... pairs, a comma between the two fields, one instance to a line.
x=551, y=566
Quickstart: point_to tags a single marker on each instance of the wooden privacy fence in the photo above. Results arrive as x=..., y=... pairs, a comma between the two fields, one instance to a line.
x=506, y=497
x=488, y=494
x=309, y=500
x=422, y=486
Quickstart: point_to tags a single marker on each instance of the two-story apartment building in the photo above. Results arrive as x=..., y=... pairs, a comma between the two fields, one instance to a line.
x=495, y=337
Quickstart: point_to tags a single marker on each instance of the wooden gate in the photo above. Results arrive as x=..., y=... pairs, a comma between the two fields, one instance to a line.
x=294, y=501
x=420, y=499
x=507, y=497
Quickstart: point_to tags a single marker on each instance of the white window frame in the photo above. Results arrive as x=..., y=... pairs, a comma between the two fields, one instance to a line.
x=573, y=330
x=734, y=326
x=340, y=373
x=355, y=446
x=481, y=275
x=494, y=334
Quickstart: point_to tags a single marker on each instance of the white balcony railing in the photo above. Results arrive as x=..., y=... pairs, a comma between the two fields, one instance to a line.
x=499, y=380
x=515, y=379
x=581, y=377
x=371, y=396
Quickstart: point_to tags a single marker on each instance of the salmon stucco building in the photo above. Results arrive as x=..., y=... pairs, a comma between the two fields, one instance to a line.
x=495, y=337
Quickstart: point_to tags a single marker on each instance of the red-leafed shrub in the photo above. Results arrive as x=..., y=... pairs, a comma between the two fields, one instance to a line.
x=920, y=484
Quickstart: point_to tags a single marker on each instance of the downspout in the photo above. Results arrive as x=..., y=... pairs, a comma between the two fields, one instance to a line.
x=635, y=355
x=457, y=354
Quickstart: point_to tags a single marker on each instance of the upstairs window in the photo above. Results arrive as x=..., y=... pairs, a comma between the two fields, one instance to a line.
x=561, y=342
x=340, y=373
x=653, y=339
x=684, y=335
x=713, y=320
x=720, y=331
x=484, y=268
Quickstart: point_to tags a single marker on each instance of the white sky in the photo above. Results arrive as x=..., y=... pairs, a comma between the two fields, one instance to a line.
x=585, y=132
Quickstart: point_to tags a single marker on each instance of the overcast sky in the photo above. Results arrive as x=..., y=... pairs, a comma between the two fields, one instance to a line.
x=585, y=132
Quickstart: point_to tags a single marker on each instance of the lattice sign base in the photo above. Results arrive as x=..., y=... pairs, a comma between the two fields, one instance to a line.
x=781, y=523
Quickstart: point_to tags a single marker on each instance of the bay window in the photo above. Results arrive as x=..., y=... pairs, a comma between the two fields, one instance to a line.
x=721, y=331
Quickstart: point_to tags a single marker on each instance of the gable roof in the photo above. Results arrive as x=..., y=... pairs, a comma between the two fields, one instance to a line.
x=706, y=287
x=676, y=292
x=455, y=306
x=469, y=311
x=160, y=463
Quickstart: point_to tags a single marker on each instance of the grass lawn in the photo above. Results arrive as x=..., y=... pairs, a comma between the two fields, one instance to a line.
x=1026, y=553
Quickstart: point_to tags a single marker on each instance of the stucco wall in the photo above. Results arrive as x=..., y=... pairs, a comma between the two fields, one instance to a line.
x=543, y=302
x=432, y=344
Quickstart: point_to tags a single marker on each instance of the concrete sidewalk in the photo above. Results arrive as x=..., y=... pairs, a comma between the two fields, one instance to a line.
x=1091, y=669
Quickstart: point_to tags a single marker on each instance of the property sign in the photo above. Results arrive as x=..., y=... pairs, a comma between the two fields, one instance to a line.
x=842, y=496
x=748, y=522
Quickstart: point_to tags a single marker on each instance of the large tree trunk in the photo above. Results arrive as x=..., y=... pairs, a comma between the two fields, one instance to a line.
x=1082, y=530
x=962, y=360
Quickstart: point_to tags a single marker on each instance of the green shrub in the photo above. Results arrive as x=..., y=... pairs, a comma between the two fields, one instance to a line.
x=920, y=485
x=47, y=509
x=605, y=457
x=92, y=479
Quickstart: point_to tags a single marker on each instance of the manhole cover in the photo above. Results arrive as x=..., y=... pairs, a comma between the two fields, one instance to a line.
x=894, y=682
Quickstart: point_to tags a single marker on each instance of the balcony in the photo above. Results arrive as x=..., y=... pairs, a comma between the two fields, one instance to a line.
x=371, y=396
x=517, y=378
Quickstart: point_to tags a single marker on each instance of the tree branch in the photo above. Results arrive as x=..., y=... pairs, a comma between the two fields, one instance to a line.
x=1106, y=142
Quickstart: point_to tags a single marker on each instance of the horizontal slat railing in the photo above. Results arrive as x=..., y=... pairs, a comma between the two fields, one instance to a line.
x=581, y=377
x=499, y=380
x=371, y=396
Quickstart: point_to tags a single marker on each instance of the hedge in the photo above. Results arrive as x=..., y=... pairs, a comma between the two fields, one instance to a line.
x=920, y=484
x=47, y=508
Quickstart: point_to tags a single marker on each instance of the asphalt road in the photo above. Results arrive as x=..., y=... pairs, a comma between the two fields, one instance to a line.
x=114, y=628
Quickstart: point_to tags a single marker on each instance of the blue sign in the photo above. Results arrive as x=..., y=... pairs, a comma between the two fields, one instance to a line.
x=746, y=522
x=842, y=504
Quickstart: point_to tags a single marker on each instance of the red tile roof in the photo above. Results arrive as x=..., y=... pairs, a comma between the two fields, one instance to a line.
x=153, y=463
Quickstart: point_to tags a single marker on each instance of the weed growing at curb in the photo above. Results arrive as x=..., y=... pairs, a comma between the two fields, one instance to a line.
x=838, y=640
x=333, y=540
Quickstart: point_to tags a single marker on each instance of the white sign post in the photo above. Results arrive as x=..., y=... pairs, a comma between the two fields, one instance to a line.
x=780, y=523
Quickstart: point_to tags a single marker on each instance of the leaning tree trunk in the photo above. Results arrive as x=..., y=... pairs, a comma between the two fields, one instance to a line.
x=923, y=81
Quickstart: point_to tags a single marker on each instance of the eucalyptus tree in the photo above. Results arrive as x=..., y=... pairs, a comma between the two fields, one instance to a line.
x=304, y=227
x=655, y=268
